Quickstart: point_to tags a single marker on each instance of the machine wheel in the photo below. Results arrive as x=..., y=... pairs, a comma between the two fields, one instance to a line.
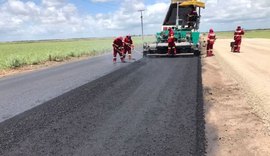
x=144, y=53
x=197, y=53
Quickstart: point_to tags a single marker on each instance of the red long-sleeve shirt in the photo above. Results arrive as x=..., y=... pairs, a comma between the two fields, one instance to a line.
x=127, y=43
x=211, y=37
x=117, y=43
x=238, y=34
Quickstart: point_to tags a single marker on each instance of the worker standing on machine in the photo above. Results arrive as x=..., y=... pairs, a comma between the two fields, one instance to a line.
x=238, y=39
x=192, y=17
x=210, y=42
x=128, y=45
x=171, y=45
x=118, y=47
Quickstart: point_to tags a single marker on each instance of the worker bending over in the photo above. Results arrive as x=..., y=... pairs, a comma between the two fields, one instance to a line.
x=128, y=45
x=118, y=47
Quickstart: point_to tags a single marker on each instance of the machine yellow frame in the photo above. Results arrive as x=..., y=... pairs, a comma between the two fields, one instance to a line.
x=194, y=3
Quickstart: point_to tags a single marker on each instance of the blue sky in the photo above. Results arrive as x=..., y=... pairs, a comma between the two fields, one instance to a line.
x=86, y=6
x=52, y=19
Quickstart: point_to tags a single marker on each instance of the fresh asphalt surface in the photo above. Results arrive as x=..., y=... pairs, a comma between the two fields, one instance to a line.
x=151, y=107
x=24, y=91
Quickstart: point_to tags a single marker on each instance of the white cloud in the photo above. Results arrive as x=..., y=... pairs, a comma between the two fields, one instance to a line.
x=50, y=17
x=20, y=8
x=60, y=19
x=58, y=15
x=127, y=17
x=230, y=13
x=53, y=3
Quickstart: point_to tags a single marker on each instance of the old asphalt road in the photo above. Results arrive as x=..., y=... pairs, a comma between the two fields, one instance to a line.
x=151, y=107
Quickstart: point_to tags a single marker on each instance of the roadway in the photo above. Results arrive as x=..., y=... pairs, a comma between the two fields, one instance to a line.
x=150, y=107
x=24, y=91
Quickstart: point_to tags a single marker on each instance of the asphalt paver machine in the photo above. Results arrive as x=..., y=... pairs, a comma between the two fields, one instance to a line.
x=186, y=32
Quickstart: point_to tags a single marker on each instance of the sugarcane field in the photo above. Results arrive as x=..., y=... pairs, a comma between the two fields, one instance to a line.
x=134, y=78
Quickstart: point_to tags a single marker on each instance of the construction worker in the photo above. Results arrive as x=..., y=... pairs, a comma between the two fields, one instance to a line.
x=238, y=38
x=192, y=17
x=118, y=47
x=171, y=32
x=128, y=45
x=210, y=42
x=171, y=44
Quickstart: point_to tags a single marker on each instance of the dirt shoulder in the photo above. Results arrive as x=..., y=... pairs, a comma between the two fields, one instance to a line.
x=251, y=69
x=235, y=104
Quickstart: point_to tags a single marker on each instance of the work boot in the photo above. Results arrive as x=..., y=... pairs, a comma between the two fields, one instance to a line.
x=211, y=53
x=238, y=49
x=169, y=52
x=207, y=53
x=123, y=61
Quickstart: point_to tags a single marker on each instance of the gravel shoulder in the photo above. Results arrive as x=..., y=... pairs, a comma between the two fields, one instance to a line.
x=236, y=98
x=250, y=69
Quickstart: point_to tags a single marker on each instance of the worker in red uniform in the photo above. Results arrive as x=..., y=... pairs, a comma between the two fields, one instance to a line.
x=171, y=45
x=210, y=42
x=238, y=38
x=118, y=47
x=128, y=45
x=171, y=32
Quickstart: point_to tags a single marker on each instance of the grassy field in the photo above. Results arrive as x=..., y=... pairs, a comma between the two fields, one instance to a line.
x=248, y=34
x=17, y=54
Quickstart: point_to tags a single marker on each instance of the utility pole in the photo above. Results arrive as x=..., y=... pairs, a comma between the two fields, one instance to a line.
x=142, y=21
x=177, y=15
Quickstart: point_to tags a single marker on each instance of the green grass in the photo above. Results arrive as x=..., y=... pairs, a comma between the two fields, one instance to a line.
x=17, y=54
x=248, y=34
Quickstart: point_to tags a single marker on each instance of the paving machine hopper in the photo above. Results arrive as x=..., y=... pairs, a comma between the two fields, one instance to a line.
x=186, y=32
